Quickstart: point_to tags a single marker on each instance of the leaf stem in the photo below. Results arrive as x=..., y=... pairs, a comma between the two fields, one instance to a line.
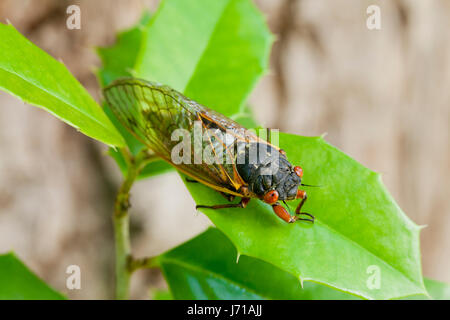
x=141, y=263
x=122, y=224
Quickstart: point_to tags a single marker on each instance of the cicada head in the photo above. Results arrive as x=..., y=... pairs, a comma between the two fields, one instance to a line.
x=273, y=178
x=284, y=182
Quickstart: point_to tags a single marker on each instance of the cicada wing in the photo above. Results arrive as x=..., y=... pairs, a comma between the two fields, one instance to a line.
x=147, y=111
x=152, y=112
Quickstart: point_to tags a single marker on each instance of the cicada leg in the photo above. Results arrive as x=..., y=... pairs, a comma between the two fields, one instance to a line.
x=242, y=204
x=281, y=212
x=302, y=194
x=229, y=197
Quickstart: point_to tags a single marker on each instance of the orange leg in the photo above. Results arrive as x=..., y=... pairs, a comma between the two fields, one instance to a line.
x=281, y=212
x=302, y=194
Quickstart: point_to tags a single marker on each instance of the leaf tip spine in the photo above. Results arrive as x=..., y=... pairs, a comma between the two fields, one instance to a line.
x=142, y=27
x=132, y=71
x=301, y=281
x=269, y=72
x=274, y=38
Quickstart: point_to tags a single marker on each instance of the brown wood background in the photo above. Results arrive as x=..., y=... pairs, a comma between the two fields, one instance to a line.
x=382, y=97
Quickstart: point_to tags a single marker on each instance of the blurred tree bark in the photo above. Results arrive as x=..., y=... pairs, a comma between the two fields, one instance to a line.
x=381, y=96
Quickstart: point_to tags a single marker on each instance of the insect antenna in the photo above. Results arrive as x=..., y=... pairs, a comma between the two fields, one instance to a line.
x=310, y=185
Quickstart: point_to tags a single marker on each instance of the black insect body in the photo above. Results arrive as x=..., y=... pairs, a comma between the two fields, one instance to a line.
x=270, y=171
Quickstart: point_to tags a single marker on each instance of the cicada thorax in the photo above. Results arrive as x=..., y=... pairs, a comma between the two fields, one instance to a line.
x=265, y=168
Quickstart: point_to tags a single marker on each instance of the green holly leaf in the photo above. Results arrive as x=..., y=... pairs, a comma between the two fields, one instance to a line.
x=207, y=267
x=17, y=282
x=359, y=229
x=32, y=75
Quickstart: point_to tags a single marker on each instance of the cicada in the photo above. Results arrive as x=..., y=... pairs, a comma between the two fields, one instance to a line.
x=153, y=112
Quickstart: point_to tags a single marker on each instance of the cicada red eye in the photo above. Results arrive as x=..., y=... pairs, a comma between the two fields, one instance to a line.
x=298, y=171
x=271, y=197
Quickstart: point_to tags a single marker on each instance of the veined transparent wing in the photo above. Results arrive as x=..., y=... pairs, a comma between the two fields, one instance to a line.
x=152, y=112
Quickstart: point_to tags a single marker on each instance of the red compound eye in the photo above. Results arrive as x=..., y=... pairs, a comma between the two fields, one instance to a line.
x=298, y=171
x=271, y=197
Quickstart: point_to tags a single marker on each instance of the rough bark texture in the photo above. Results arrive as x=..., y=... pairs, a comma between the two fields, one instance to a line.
x=381, y=96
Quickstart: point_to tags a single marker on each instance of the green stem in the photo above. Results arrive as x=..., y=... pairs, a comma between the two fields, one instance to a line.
x=141, y=263
x=122, y=225
x=121, y=230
